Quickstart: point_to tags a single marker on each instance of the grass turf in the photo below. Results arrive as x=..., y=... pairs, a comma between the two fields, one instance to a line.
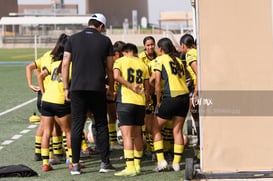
x=14, y=91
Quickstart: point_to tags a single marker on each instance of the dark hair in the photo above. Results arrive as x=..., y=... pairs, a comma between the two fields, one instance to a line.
x=167, y=46
x=117, y=47
x=187, y=40
x=58, y=51
x=95, y=23
x=148, y=38
x=129, y=47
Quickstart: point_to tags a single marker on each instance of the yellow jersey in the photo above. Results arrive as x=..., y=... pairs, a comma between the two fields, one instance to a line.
x=144, y=57
x=191, y=56
x=173, y=85
x=54, y=92
x=43, y=62
x=133, y=70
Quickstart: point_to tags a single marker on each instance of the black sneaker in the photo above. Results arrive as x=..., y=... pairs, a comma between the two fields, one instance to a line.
x=75, y=170
x=37, y=157
x=106, y=167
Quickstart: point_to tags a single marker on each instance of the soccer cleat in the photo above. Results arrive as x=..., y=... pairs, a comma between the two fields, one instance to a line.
x=38, y=157
x=138, y=169
x=88, y=152
x=106, y=167
x=34, y=118
x=70, y=166
x=162, y=165
x=176, y=167
x=75, y=169
x=126, y=172
x=46, y=168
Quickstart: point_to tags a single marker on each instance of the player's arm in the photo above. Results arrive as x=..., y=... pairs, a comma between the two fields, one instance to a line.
x=158, y=86
x=41, y=77
x=29, y=68
x=65, y=73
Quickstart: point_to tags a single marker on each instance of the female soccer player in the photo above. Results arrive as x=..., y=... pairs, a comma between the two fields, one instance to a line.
x=172, y=102
x=133, y=75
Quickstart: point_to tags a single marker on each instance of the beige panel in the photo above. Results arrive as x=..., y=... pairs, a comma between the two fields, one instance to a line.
x=236, y=44
x=236, y=53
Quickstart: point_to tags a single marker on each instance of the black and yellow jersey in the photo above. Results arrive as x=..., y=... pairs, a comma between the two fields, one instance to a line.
x=173, y=84
x=133, y=70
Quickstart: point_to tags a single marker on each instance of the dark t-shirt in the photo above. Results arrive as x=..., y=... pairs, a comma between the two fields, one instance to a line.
x=89, y=50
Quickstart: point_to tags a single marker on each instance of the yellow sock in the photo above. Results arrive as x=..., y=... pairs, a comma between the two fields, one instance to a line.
x=129, y=157
x=45, y=156
x=84, y=143
x=158, y=146
x=178, y=151
x=65, y=144
x=148, y=142
x=168, y=136
x=137, y=158
x=69, y=154
x=57, y=145
x=38, y=142
x=50, y=148
x=112, y=133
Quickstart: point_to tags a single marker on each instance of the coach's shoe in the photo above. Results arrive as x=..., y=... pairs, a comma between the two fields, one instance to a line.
x=70, y=166
x=75, y=169
x=46, y=168
x=162, y=165
x=34, y=118
x=106, y=167
x=126, y=172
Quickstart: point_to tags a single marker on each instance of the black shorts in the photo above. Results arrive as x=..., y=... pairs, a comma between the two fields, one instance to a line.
x=173, y=106
x=39, y=101
x=130, y=114
x=51, y=109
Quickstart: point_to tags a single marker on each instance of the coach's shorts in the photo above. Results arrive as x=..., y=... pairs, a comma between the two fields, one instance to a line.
x=173, y=106
x=130, y=114
x=51, y=109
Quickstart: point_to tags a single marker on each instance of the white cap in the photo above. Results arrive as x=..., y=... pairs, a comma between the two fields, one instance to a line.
x=99, y=17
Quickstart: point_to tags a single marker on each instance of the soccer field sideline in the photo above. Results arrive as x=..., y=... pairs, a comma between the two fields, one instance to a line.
x=17, y=104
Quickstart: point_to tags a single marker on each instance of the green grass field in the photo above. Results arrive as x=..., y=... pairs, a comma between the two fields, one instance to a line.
x=14, y=91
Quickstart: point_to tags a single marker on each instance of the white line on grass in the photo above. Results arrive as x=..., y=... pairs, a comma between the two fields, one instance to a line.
x=25, y=131
x=16, y=137
x=7, y=142
x=1, y=147
x=19, y=106
x=32, y=126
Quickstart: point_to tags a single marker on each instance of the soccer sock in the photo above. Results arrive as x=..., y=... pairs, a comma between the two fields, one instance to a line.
x=168, y=136
x=112, y=133
x=84, y=143
x=65, y=145
x=149, y=141
x=69, y=154
x=38, y=142
x=129, y=158
x=178, y=151
x=45, y=156
x=57, y=145
x=50, y=148
x=137, y=158
x=158, y=146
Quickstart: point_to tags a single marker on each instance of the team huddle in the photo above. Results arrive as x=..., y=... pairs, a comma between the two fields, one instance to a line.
x=145, y=95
